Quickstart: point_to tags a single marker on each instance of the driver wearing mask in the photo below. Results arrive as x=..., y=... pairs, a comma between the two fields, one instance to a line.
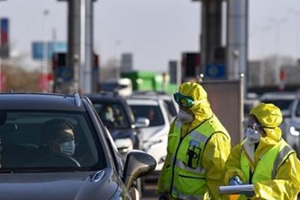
x=60, y=141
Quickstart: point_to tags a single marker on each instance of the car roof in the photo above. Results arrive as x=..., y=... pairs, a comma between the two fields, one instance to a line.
x=44, y=101
x=105, y=97
x=143, y=101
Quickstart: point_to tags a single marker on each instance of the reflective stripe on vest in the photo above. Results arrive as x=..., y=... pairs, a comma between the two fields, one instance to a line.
x=273, y=158
x=185, y=176
x=282, y=156
x=180, y=164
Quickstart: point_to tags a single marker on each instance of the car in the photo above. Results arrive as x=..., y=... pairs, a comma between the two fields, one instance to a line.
x=154, y=137
x=117, y=116
x=172, y=106
x=100, y=172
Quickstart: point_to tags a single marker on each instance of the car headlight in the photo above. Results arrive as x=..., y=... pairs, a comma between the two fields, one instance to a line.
x=294, y=131
x=124, y=145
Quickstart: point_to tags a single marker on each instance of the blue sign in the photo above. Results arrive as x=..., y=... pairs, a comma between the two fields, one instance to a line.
x=215, y=71
x=42, y=50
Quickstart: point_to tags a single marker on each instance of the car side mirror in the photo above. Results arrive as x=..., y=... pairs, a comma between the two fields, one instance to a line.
x=138, y=163
x=142, y=122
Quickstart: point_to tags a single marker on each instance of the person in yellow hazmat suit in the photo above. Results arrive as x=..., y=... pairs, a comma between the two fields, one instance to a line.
x=264, y=158
x=198, y=146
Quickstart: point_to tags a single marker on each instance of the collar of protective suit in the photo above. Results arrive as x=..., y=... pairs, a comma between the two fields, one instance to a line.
x=201, y=113
x=272, y=138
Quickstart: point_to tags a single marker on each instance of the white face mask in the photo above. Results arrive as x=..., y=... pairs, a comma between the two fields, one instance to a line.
x=184, y=117
x=109, y=117
x=68, y=148
x=252, y=135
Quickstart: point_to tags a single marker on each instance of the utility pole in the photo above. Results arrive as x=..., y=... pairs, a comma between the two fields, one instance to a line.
x=80, y=43
x=44, y=69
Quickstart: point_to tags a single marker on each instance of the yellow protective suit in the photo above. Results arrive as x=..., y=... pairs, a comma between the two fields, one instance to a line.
x=217, y=148
x=286, y=184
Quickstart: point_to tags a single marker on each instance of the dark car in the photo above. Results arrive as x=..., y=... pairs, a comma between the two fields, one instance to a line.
x=37, y=162
x=119, y=120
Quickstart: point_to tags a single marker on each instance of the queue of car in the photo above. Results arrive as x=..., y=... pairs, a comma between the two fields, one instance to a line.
x=55, y=146
x=117, y=142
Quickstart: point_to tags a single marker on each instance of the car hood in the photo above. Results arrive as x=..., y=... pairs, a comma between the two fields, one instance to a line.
x=58, y=186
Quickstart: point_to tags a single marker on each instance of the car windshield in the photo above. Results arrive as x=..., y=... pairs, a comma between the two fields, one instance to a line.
x=153, y=113
x=112, y=115
x=48, y=141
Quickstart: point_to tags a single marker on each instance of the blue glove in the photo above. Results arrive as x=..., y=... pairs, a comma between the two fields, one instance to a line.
x=235, y=181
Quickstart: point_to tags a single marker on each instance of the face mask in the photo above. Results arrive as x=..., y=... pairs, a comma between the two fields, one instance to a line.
x=68, y=148
x=184, y=117
x=108, y=117
x=252, y=135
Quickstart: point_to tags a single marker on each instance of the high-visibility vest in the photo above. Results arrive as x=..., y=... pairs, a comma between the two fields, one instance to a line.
x=268, y=164
x=185, y=176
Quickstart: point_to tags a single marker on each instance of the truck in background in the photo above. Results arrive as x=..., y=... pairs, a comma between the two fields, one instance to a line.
x=122, y=86
x=150, y=81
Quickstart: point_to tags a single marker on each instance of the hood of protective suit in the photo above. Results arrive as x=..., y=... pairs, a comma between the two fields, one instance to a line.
x=201, y=108
x=270, y=117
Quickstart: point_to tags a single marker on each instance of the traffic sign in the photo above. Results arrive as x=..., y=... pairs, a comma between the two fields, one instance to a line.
x=215, y=71
x=39, y=49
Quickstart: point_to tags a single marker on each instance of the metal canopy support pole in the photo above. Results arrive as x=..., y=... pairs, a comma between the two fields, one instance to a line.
x=74, y=41
x=80, y=44
x=237, y=14
x=86, y=41
x=211, y=37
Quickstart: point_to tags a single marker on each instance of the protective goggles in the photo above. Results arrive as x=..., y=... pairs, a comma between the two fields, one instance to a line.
x=254, y=126
x=183, y=101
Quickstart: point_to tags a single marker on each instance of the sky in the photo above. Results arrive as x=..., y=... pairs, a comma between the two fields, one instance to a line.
x=154, y=31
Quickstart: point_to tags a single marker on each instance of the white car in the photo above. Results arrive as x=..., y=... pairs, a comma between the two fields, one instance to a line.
x=172, y=106
x=153, y=138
